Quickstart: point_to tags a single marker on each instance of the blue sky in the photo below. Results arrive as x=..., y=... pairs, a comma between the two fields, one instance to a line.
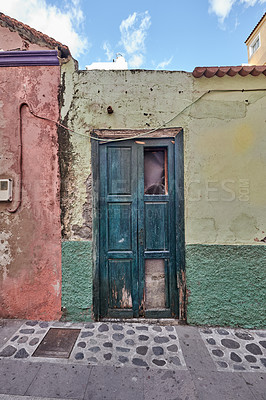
x=170, y=34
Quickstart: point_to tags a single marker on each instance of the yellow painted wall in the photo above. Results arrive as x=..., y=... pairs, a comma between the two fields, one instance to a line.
x=226, y=163
x=259, y=56
x=225, y=143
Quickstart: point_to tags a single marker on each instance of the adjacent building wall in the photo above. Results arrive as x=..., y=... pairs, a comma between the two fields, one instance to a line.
x=225, y=191
x=259, y=56
x=30, y=238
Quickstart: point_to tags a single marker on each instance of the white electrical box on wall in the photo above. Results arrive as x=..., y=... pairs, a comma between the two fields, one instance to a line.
x=5, y=189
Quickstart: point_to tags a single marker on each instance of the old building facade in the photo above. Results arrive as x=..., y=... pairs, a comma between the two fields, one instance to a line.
x=162, y=195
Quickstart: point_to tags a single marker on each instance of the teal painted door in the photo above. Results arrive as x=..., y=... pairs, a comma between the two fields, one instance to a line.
x=137, y=229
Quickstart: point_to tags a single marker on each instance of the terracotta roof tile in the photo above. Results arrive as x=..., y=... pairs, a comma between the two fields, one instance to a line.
x=33, y=35
x=244, y=70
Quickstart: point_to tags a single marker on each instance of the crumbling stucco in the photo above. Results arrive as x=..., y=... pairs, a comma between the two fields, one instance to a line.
x=225, y=145
x=5, y=253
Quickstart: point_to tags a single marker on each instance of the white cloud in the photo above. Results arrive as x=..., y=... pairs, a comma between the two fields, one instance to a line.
x=136, y=61
x=134, y=31
x=249, y=3
x=61, y=24
x=133, y=35
x=222, y=8
x=164, y=63
x=108, y=51
x=237, y=23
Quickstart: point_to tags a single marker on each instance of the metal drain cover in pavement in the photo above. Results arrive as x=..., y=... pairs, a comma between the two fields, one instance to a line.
x=57, y=343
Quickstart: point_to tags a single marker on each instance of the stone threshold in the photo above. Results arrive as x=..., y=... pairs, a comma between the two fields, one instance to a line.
x=149, y=321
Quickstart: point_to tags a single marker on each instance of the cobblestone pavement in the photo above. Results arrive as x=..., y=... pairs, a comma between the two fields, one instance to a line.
x=113, y=344
x=142, y=345
x=236, y=350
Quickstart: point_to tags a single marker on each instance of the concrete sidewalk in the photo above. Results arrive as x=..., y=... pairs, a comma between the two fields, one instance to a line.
x=127, y=361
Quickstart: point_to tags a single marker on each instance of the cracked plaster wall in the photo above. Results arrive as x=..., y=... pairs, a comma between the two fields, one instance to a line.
x=225, y=164
x=225, y=145
x=85, y=108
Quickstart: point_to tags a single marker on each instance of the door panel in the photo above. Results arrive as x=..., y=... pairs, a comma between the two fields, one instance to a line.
x=120, y=283
x=155, y=284
x=156, y=170
x=119, y=170
x=156, y=226
x=137, y=230
x=118, y=226
x=119, y=221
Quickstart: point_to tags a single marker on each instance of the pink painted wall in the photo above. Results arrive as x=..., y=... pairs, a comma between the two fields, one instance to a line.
x=10, y=40
x=30, y=239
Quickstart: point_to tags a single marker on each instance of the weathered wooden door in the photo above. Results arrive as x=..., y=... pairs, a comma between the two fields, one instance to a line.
x=138, y=229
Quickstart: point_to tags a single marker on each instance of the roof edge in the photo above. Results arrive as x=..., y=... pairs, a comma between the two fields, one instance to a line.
x=255, y=27
x=28, y=58
x=32, y=35
x=209, y=72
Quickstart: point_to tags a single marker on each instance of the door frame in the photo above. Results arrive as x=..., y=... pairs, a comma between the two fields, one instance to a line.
x=176, y=135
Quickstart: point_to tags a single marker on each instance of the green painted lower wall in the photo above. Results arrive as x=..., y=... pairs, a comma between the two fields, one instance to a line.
x=77, y=286
x=226, y=285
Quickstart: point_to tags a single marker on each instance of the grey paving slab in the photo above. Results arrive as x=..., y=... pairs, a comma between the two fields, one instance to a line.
x=54, y=380
x=7, y=328
x=221, y=386
x=256, y=383
x=15, y=378
x=236, y=349
x=195, y=353
x=15, y=397
x=115, y=383
x=169, y=385
x=95, y=377
x=100, y=343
